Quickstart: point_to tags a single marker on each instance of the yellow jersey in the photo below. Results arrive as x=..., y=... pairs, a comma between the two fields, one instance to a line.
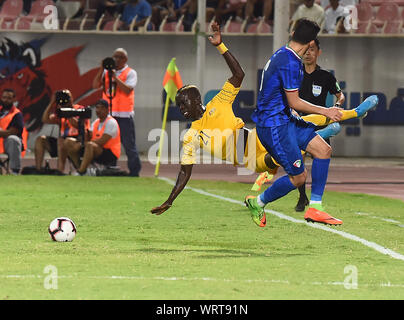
x=217, y=130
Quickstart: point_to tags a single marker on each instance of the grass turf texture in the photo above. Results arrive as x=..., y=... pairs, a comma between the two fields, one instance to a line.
x=202, y=248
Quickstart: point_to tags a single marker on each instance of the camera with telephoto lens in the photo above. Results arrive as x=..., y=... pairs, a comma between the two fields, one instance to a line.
x=108, y=64
x=62, y=98
x=83, y=113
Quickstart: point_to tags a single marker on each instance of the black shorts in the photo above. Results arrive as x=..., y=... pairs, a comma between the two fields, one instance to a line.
x=53, y=146
x=106, y=158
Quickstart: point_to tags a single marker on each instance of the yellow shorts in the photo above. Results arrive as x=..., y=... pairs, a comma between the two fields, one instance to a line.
x=254, y=155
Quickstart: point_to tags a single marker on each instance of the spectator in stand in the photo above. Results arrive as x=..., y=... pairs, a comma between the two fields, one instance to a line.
x=173, y=9
x=109, y=6
x=259, y=8
x=211, y=7
x=159, y=11
x=230, y=9
x=165, y=8
x=80, y=11
x=140, y=9
x=332, y=14
x=340, y=27
x=26, y=6
x=326, y=3
x=309, y=10
x=189, y=10
x=294, y=4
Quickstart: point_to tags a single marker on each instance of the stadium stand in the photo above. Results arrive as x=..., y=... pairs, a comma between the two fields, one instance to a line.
x=259, y=27
x=67, y=8
x=8, y=13
x=362, y=27
x=113, y=24
x=380, y=2
x=35, y=17
x=380, y=17
x=392, y=27
x=174, y=26
x=365, y=11
x=233, y=26
x=374, y=17
x=386, y=12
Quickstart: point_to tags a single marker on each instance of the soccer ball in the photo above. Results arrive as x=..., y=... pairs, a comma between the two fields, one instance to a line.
x=62, y=229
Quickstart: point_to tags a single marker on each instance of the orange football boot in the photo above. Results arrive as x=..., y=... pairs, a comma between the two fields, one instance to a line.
x=315, y=215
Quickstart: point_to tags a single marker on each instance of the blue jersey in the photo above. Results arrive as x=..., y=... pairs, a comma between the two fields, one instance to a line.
x=284, y=71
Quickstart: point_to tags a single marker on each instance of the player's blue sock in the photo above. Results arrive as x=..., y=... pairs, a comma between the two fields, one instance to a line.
x=279, y=188
x=319, y=174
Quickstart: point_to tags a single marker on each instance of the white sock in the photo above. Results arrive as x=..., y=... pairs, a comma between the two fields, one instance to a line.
x=315, y=202
x=260, y=203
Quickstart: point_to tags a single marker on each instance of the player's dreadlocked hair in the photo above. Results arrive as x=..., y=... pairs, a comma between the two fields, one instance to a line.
x=184, y=89
x=187, y=86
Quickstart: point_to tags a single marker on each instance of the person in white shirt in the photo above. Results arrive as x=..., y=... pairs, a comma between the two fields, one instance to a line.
x=122, y=98
x=332, y=14
x=309, y=10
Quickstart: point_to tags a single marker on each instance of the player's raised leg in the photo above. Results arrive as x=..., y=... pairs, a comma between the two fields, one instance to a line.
x=368, y=104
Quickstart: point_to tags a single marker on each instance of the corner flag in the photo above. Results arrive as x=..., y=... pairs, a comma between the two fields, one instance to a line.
x=172, y=80
x=171, y=83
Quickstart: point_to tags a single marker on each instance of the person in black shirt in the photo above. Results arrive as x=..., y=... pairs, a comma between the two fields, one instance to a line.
x=11, y=129
x=316, y=85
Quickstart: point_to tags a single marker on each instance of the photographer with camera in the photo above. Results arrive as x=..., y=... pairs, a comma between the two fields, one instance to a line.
x=63, y=112
x=104, y=146
x=13, y=135
x=118, y=81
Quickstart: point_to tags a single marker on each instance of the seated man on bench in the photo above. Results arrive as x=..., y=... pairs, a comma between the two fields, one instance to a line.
x=103, y=145
x=13, y=135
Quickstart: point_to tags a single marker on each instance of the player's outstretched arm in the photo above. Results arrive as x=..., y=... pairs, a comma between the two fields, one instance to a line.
x=235, y=68
x=182, y=180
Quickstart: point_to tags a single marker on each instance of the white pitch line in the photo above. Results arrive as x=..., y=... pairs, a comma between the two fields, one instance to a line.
x=344, y=234
x=208, y=279
x=379, y=218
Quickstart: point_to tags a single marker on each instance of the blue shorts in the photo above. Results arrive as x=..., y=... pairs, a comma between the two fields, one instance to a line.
x=285, y=142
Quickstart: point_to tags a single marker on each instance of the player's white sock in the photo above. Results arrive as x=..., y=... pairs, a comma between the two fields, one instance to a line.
x=260, y=203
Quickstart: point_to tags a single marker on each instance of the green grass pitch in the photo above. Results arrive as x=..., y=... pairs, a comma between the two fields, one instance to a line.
x=202, y=248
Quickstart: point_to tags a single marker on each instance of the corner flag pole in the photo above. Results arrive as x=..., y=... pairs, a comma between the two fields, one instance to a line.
x=163, y=130
x=171, y=83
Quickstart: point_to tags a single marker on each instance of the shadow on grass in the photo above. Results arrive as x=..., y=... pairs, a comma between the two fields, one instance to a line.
x=219, y=253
